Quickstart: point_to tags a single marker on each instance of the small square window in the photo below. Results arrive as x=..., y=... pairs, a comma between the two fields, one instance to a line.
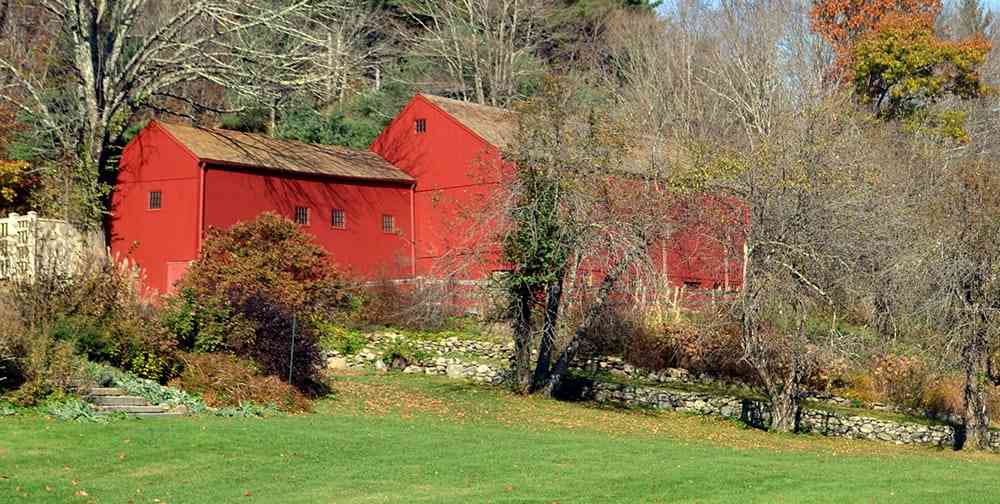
x=302, y=215
x=421, y=125
x=388, y=224
x=155, y=200
x=338, y=219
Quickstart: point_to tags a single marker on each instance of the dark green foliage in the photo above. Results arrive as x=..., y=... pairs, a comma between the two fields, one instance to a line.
x=89, y=338
x=251, y=120
x=354, y=123
x=203, y=325
x=308, y=125
x=400, y=353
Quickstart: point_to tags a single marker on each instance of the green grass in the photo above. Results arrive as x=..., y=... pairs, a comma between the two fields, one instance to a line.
x=403, y=438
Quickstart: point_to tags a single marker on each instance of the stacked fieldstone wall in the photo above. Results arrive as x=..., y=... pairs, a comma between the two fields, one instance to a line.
x=751, y=411
x=754, y=412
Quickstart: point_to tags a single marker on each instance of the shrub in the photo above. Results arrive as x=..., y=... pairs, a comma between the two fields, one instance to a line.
x=99, y=309
x=247, y=290
x=225, y=380
x=336, y=337
x=424, y=306
x=12, y=343
x=696, y=343
x=944, y=398
x=859, y=386
x=41, y=367
x=901, y=380
x=400, y=353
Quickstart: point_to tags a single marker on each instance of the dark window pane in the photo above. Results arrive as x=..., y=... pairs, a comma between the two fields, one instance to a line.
x=338, y=219
x=155, y=200
x=301, y=215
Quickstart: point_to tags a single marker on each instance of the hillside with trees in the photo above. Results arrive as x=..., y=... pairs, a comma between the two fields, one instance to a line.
x=854, y=141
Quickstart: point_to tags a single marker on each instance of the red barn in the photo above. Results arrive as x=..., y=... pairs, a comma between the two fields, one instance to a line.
x=401, y=210
x=452, y=148
x=176, y=181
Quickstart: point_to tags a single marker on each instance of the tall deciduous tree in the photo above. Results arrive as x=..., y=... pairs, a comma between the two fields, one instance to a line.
x=903, y=67
x=843, y=22
x=962, y=215
x=565, y=211
x=486, y=48
x=968, y=18
x=114, y=58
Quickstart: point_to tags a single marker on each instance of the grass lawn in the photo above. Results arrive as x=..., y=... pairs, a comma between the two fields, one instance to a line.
x=403, y=438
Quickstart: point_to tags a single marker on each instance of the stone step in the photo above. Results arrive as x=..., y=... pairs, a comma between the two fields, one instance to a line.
x=118, y=400
x=107, y=391
x=132, y=409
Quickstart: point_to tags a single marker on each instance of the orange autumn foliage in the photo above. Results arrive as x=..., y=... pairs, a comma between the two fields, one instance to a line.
x=843, y=22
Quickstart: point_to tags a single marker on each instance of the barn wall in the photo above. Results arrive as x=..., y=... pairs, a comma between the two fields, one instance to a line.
x=362, y=248
x=456, y=174
x=153, y=161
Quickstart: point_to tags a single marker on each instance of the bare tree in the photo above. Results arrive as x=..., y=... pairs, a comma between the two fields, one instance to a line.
x=565, y=214
x=120, y=56
x=789, y=167
x=485, y=47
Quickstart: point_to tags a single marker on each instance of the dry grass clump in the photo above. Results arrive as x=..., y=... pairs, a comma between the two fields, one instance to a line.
x=226, y=380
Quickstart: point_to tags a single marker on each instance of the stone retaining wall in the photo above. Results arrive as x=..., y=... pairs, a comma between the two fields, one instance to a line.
x=750, y=411
x=436, y=363
x=754, y=412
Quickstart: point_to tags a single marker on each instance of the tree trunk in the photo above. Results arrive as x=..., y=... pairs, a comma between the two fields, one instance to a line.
x=975, y=419
x=522, y=340
x=600, y=301
x=552, y=302
x=784, y=410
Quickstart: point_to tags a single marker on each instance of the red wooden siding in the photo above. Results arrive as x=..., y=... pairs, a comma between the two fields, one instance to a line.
x=154, y=238
x=456, y=173
x=361, y=247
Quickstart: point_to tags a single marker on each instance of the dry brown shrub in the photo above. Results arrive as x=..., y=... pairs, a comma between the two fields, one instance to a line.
x=419, y=306
x=690, y=344
x=901, y=380
x=226, y=380
x=943, y=397
x=859, y=386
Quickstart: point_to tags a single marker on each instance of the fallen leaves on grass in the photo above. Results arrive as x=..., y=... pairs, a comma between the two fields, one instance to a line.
x=413, y=395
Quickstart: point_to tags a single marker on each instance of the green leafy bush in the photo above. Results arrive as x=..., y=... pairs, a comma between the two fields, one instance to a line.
x=341, y=339
x=71, y=408
x=400, y=353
